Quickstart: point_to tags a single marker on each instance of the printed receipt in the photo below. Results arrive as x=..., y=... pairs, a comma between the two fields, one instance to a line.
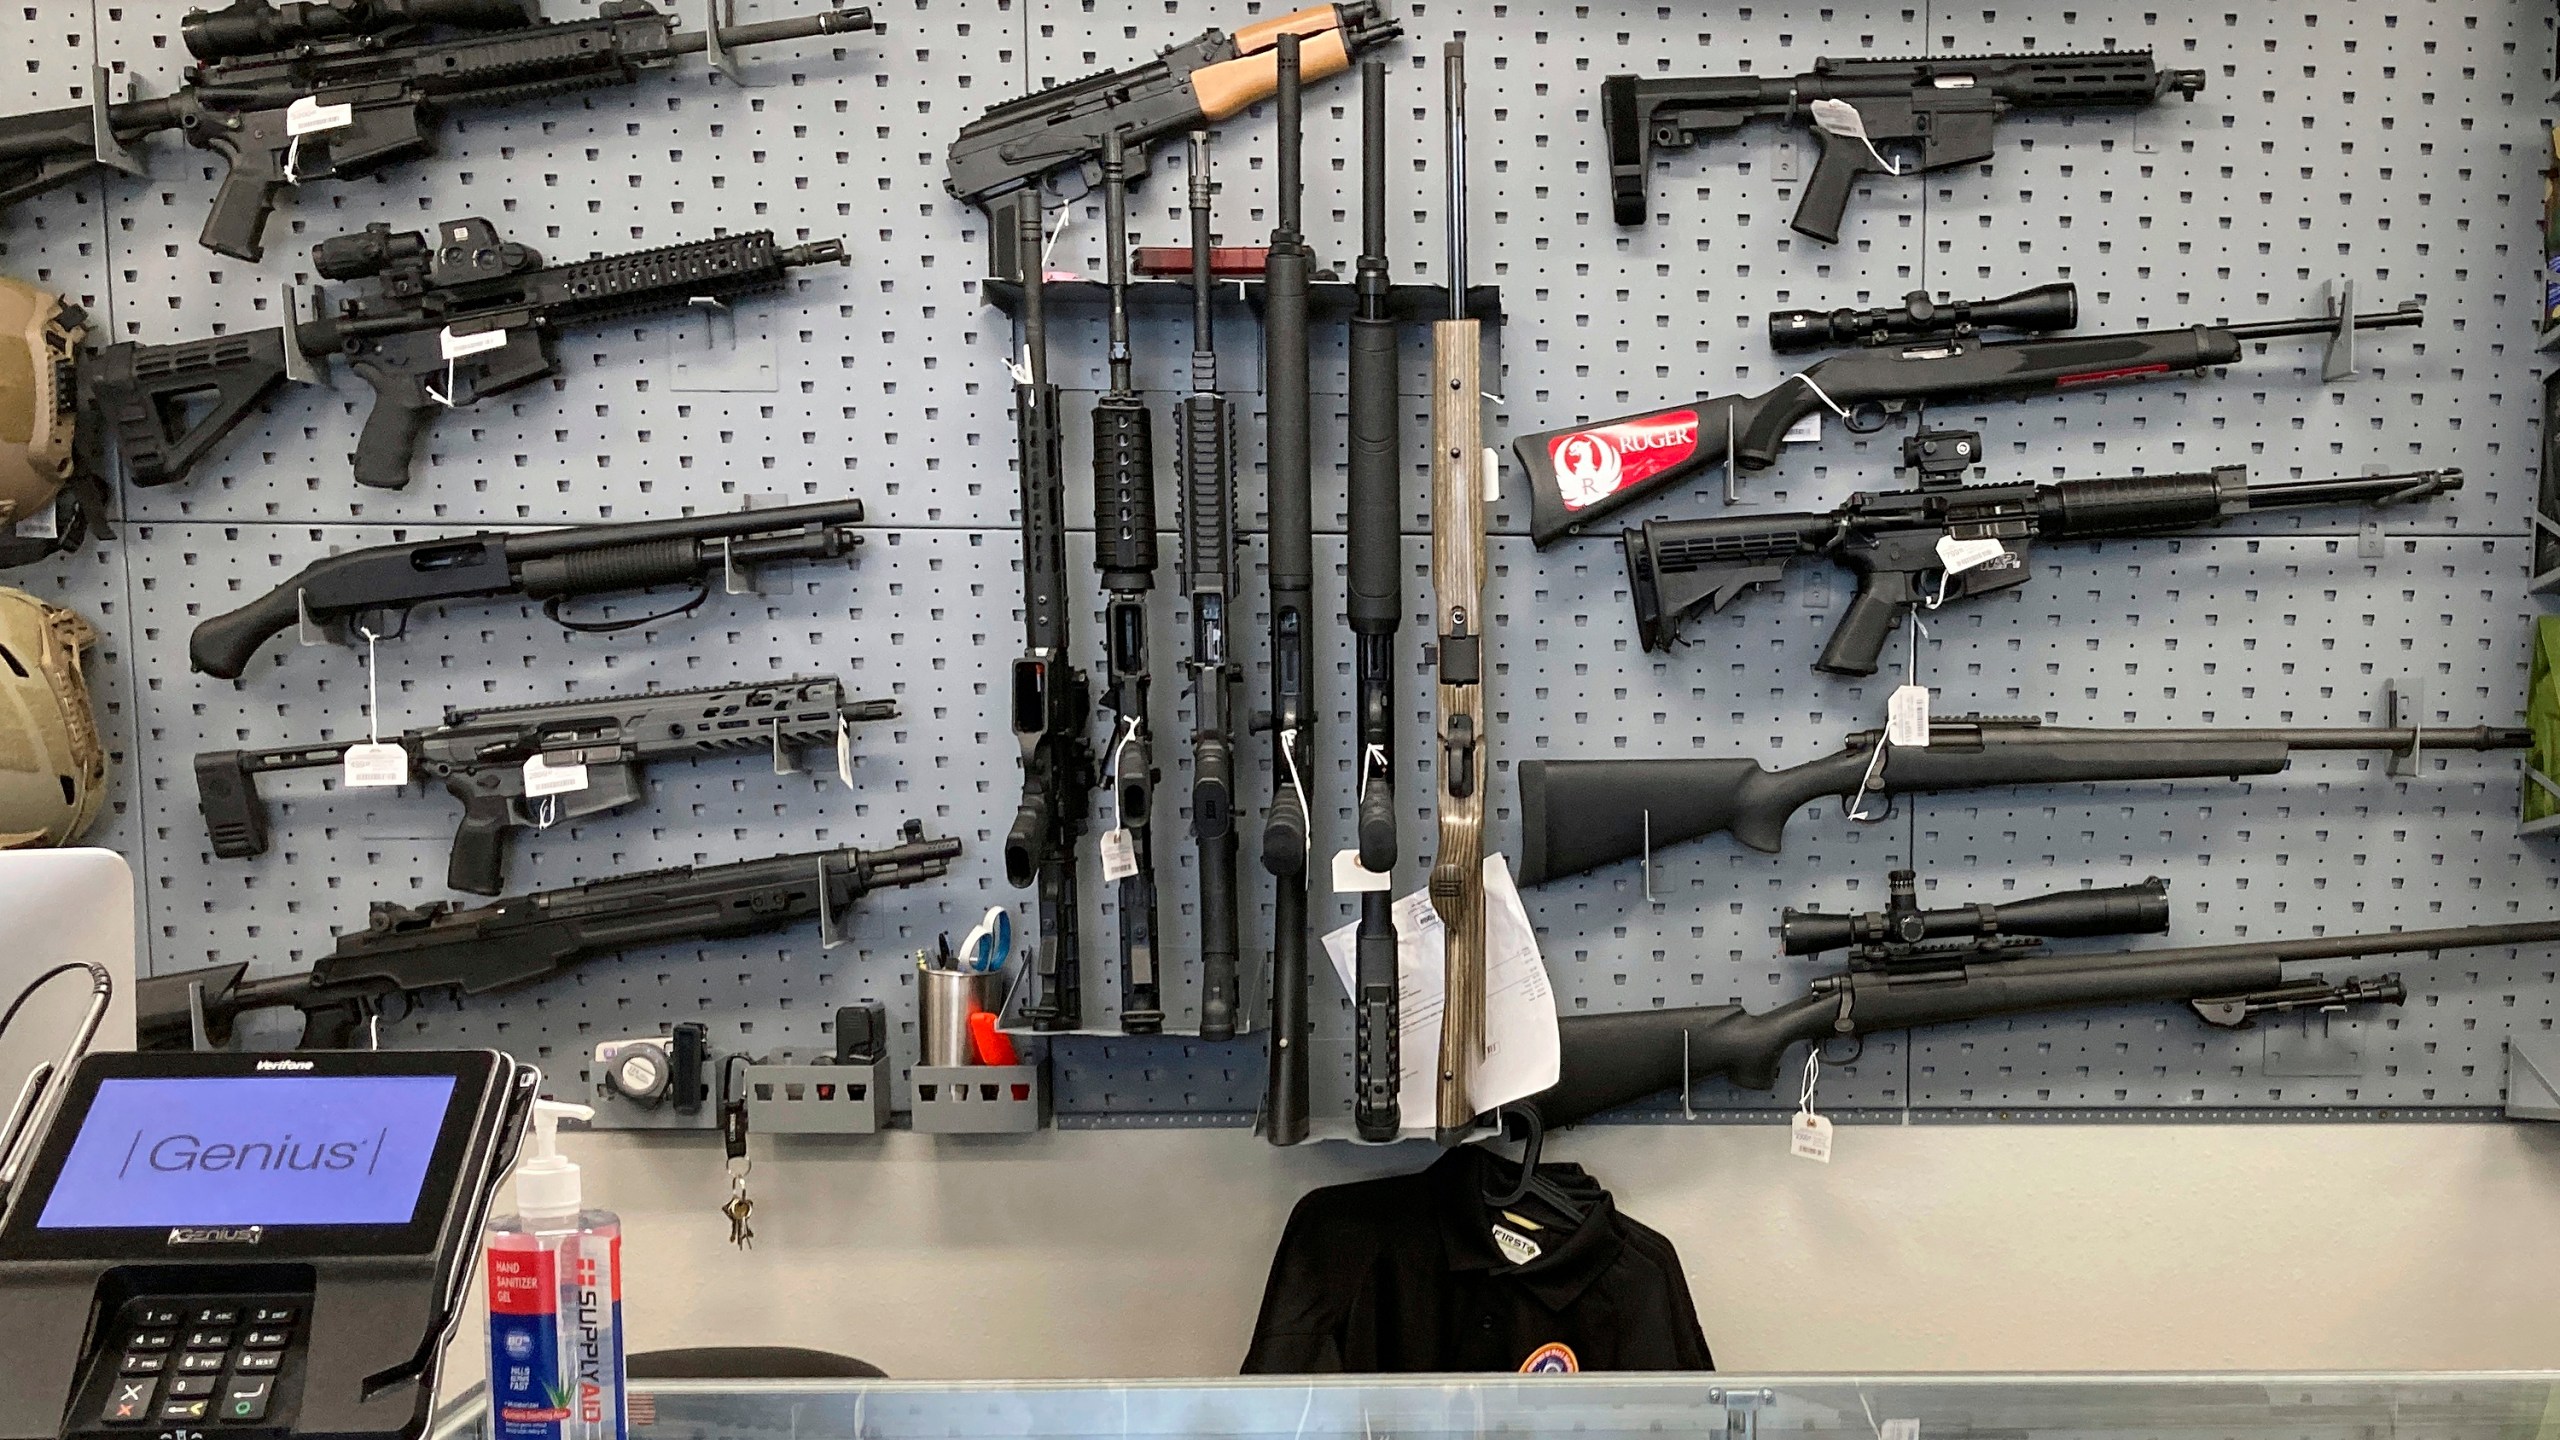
x=1522, y=1054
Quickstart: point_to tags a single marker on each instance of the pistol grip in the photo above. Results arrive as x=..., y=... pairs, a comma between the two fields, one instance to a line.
x=1826, y=191
x=237, y=226
x=478, y=863
x=401, y=416
x=1858, y=640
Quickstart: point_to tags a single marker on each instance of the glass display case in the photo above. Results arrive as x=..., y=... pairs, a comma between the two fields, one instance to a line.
x=2512, y=1405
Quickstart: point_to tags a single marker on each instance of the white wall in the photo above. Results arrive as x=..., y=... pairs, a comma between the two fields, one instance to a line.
x=1134, y=1253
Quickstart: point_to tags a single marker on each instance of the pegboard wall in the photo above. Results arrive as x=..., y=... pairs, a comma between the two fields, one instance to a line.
x=2396, y=145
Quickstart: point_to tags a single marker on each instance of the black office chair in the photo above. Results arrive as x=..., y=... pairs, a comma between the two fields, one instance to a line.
x=748, y=1362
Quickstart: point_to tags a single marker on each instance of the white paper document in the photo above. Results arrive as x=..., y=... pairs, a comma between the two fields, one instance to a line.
x=1522, y=1054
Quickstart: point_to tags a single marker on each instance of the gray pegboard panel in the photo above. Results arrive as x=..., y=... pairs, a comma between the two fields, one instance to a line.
x=2397, y=151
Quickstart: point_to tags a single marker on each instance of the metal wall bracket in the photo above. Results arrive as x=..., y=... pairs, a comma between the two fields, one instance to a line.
x=2338, y=362
x=1742, y=1410
x=2406, y=712
x=2533, y=1077
x=708, y=353
x=104, y=147
x=717, y=16
x=2315, y=1043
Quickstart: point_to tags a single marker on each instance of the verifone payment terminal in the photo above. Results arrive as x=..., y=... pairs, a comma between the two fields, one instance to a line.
x=245, y=1247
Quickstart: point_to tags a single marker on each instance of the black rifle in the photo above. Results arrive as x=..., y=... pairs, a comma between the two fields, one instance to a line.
x=299, y=92
x=1124, y=517
x=457, y=317
x=1293, y=577
x=1904, y=934
x=1616, y=1059
x=405, y=951
x=1375, y=609
x=1004, y=158
x=1209, y=579
x=1583, y=473
x=1050, y=698
x=364, y=590
x=1948, y=542
x=1579, y=815
x=1942, y=107
x=479, y=757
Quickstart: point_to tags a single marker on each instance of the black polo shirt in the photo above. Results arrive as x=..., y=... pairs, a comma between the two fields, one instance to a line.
x=1405, y=1275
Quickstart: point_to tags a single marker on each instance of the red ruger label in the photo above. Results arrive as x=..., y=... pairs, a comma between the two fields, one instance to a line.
x=1592, y=465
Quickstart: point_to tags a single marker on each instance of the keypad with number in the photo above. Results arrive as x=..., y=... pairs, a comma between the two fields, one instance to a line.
x=204, y=1362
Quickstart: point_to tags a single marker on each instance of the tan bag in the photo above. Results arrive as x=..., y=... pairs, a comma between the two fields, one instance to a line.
x=53, y=770
x=38, y=337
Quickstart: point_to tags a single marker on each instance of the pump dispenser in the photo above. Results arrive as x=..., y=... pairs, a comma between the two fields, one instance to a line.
x=555, y=1300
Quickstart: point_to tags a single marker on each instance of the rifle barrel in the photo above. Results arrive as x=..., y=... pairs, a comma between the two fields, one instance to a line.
x=2401, y=318
x=2355, y=490
x=542, y=544
x=774, y=32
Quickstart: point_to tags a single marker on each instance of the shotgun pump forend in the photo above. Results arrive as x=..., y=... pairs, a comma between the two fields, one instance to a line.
x=1939, y=108
x=1945, y=542
x=1903, y=933
x=479, y=756
x=1616, y=1059
x=405, y=951
x=1579, y=815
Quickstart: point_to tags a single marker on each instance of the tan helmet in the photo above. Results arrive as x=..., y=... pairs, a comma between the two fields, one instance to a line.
x=53, y=770
x=38, y=337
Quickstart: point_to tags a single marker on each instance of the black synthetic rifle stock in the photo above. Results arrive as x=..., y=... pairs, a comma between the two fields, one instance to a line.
x=1209, y=579
x=1583, y=473
x=1940, y=108
x=457, y=316
x=1579, y=815
x=374, y=589
x=479, y=757
x=1615, y=1059
x=1899, y=544
x=1293, y=576
x=405, y=951
x=265, y=94
x=1030, y=143
x=1050, y=698
x=1374, y=611
x=1124, y=517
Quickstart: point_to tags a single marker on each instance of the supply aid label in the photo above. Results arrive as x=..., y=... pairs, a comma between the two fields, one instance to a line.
x=529, y=1399
x=1592, y=465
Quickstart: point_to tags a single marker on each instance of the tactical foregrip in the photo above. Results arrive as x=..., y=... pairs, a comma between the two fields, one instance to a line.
x=222, y=646
x=1826, y=191
x=1859, y=639
x=478, y=864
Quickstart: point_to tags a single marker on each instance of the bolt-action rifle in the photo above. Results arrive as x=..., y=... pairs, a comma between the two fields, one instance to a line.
x=1579, y=815
x=290, y=93
x=1582, y=473
x=405, y=951
x=479, y=756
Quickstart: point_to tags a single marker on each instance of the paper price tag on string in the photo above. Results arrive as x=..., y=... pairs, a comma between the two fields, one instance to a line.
x=1350, y=878
x=844, y=753
x=1806, y=431
x=375, y=765
x=1811, y=1138
x=1492, y=477
x=1906, y=716
x=1119, y=854
x=1957, y=556
x=44, y=524
x=541, y=777
x=307, y=116
x=455, y=347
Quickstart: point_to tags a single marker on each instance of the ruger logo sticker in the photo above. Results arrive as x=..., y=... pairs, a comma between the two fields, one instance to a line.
x=1592, y=465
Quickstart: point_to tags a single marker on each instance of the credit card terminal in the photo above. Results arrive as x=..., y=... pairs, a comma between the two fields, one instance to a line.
x=249, y=1247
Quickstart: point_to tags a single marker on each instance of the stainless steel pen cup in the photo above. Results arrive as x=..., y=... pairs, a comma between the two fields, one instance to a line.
x=950, y=998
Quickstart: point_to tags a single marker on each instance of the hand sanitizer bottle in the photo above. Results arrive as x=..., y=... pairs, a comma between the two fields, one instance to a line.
x=555, y=1301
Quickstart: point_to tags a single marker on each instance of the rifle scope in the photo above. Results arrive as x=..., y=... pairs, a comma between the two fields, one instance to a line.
x=2041, y=308
x=2120, y=910
x=368, y=253
x=255, y=27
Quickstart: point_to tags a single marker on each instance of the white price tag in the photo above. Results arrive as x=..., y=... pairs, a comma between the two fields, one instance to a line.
x=454, y=347
x=1492, y=477
x=375, y=764
x=543, y=778
x=307, y=116
x=1811, y=1139
x=1806, y=431
x=44, y=524
x=1350, y=879
x=1957, y=556
x=1119, y=854
x=1906, y=716
x=844, y=753
x=1898, y=1430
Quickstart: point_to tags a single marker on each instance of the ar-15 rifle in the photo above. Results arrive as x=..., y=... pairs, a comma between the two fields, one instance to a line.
x=1923, y=354
x=1942, y=107
x=1616, y=1059
x=1948, y=542
x=458, y=316
x=1006, y=156
x=299, y=92
x=1209, y=579
x=480, y=755
x=405, y=951
x=1579, y=815
x=363, y=590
